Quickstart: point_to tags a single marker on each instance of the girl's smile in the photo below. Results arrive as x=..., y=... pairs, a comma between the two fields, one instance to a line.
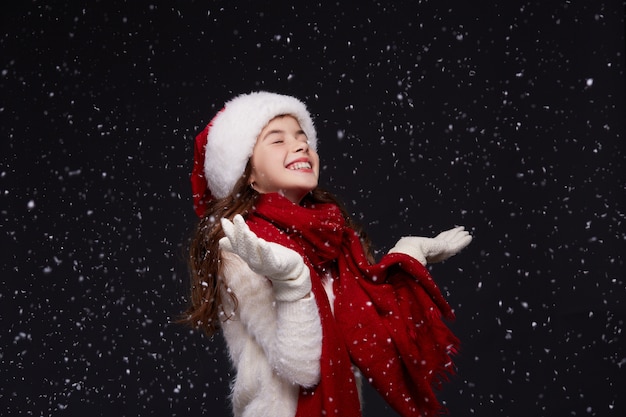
x=300, y=165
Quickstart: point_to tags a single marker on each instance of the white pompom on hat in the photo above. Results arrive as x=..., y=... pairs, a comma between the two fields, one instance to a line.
x=226, y=144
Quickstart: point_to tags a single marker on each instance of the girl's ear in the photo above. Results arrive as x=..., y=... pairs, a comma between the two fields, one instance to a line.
x=249, y=174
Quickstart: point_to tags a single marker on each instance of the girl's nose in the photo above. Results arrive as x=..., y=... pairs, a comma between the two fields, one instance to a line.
x=302, y=146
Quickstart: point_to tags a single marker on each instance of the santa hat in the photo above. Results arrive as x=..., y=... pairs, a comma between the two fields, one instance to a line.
x=224, y=147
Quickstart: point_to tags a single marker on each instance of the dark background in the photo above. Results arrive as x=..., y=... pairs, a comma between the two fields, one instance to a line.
x=506, y=117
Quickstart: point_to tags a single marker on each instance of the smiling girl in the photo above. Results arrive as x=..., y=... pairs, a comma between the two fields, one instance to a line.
x=277, y=265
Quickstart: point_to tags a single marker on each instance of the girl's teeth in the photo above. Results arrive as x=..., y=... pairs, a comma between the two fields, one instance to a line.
x=300, y=165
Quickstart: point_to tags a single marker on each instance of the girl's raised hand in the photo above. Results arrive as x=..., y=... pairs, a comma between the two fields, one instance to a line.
x=283, y=266
x=437, y=249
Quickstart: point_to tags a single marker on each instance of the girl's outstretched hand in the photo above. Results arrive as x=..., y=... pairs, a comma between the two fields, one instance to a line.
x=437, y=249
x=283, y=266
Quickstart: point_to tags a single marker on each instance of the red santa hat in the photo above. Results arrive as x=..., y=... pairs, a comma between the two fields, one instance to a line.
x=224, y=147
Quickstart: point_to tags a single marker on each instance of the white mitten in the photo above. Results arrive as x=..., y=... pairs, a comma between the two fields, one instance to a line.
x=290, y=277
x=436, y=249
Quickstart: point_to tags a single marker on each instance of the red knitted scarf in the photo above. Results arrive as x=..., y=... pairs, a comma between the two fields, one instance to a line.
x=387, y=316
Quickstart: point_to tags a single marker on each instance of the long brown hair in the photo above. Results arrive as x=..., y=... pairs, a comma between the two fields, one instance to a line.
x=204, y=259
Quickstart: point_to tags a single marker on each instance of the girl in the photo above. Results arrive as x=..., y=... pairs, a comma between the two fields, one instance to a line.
x=280, y=268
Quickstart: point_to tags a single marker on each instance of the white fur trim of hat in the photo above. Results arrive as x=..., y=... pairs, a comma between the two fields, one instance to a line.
x=234, y=131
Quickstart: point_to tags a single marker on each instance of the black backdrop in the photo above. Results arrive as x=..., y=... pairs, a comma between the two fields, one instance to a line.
x=506, y=117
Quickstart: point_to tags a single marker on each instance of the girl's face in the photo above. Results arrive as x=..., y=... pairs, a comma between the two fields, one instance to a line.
x=282, y=161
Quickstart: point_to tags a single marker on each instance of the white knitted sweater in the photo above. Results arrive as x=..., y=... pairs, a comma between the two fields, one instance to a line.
x=275, y=346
